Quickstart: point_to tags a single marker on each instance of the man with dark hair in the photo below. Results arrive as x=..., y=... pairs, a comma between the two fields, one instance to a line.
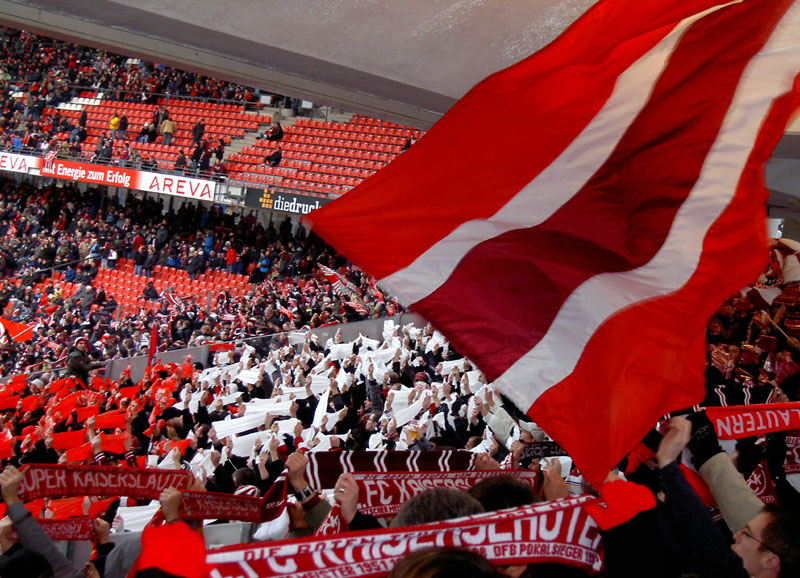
x=180, y=162
x=444, y=562
x=769, y=544
x=499, y=492
x=435, y=505
x=767, y=547
x=273, y=159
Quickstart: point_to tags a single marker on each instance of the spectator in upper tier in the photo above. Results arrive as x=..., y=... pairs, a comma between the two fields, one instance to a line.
x=409, y=142
x=149, y=292
x=152, y=132
x=149, y=164
x=197, y=154
x=180, y=162
x=167, y=129
x=273, y=133
x=218, y=171
x=78, y=134
x=113, y=126
x=275, y=158
x=122, y=132
x=219, y=150
x=124, y=154
x=142, y=136
x=204, y=167
x=198, y=130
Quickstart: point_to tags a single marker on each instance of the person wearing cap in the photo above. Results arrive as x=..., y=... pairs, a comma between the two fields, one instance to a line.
x=78, y=364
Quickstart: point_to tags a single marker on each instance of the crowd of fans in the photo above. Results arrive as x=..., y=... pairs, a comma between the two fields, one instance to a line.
x=38, y=72
x=253, y=414
x=77, y=233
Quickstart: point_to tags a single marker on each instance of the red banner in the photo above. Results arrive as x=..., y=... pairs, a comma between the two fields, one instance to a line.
x=89, y=173
x=85, y=413
x=78, y=453
x=53, y=480
x=384, y=493
x=555, y=532
x=741, y=421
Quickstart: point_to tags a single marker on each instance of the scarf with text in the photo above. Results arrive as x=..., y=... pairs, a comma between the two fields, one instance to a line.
x=69, y=529
x=58, y=480
x=555, y=532
x=382, y=494
x=741, y=421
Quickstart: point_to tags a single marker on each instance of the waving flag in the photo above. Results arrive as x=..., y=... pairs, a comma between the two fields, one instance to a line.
x=342, y=286
x=576, y=250
x=17, y=331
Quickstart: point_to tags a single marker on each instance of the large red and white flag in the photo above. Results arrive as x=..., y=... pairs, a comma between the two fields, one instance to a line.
x=576, y=250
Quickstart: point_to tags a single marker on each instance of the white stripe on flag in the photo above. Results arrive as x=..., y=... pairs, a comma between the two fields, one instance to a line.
x=769, y=74
x=555, y=185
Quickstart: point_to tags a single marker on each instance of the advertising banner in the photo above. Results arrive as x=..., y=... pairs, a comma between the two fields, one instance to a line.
x=268, y=200
x=112, y=176
x=18, y=163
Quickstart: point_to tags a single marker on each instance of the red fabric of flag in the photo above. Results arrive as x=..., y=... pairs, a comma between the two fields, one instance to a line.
x=128, y=392
x=180, y=445
x=63, y=508
x=110, y=420
x=78, y=453
x=152, y=346
x=99, y=507
x=9, y=402
x=17, y=331
x=68, y=439
x=17, y=385
x=85, y=413
x=114, y=443
x=7, y=447
x=578, y=257
x=220, y=347
x=60, y=384
x=30, y=402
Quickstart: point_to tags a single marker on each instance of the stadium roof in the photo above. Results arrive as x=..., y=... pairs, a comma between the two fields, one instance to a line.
x=405, y=61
